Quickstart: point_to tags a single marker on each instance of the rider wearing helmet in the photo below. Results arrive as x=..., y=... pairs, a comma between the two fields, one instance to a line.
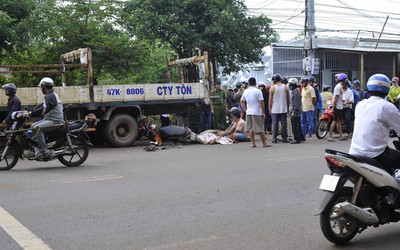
x=52, y=111
x=374, y=117
x=341, y=80
x=13, y=103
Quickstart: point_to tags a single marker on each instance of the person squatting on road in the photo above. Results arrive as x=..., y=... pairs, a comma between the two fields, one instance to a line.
x=252, y=103
x=279, y=97
x=13, y=103
x=52, y=111
x=236, y=131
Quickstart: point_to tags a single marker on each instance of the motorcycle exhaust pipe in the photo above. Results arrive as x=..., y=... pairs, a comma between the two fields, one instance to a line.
x=365, y=215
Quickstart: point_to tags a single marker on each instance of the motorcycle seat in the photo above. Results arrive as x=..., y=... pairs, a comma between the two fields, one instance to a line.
x=173, y=131
x=369, y=161
x=62, y=129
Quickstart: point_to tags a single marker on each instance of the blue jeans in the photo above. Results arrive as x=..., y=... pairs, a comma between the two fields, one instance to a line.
x=307, y=122
x=241, y=137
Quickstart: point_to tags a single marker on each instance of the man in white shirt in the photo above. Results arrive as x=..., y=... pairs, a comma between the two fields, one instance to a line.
x=252, y=103
x=338, y=106
x=374, y=117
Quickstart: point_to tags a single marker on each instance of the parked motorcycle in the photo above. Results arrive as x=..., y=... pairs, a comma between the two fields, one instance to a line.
x=358, y=193
x=68, y=143
x=325, y=121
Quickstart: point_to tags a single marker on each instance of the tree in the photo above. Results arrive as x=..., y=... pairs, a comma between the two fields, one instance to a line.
x=220, y=27
x=55, y=29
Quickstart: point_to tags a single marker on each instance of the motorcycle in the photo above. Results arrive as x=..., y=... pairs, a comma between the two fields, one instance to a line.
x=68, y=143
x=325, y=121
x=359, y=193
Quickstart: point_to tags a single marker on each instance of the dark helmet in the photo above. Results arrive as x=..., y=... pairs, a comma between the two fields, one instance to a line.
x=357, y=83
x=10, y=87
x=277, y=77
x=238, y=85
x=47, y=82
x=326, y=87
x=284, y=80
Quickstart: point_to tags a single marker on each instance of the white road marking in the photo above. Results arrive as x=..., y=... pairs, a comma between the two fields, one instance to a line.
x=89, y=179
x=23, y=236
x=182, y=243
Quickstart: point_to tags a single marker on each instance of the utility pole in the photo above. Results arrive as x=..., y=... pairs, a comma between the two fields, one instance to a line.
x=310, y=62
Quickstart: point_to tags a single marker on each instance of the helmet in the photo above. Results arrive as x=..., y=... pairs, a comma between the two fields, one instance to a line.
x=293, y=83
x=378, y=83
x=341, y=77
x=233, y=109
x=326, y=87
x=47, y=81
x=312, y=79
x=304, y=79
x=395, y=79
x=357, y=83
x=10, y=87
x=284, y=80
x=277, y=77
x=261, y=84
x=238, y=85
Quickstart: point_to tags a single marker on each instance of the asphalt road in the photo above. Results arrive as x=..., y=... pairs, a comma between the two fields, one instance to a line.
x=182, y=197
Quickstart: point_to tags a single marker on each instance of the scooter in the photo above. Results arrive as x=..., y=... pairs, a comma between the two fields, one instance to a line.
x=325, y=121
x=359, y=193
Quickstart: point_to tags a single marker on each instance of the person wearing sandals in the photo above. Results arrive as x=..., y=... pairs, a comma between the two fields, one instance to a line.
x=252, y=103
x=337, y=98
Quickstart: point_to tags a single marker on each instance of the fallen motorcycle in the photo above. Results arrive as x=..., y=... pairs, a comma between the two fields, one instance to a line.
x=67, y=142
x=359, y=193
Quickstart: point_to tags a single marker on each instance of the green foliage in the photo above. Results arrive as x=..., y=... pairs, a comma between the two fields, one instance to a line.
x=220, y=27
x=130, y=40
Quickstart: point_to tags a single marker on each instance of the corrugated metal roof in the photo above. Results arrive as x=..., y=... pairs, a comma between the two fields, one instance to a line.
x=346, y=45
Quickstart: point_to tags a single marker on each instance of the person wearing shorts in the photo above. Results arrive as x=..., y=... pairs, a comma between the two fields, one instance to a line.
x=252, y=103
x=337, y=98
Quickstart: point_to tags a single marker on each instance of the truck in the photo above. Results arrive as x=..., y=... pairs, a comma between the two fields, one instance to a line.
x=117, y=108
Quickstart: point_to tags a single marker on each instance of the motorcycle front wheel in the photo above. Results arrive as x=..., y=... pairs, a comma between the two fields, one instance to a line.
x=10, y=157
x=339, y=230
x=75, y=156
x=322, y=129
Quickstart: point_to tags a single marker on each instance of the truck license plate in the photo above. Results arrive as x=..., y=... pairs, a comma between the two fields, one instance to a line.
x=329, y=182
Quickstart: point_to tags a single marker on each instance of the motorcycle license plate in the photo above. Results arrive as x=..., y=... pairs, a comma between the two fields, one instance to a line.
x=329, y=182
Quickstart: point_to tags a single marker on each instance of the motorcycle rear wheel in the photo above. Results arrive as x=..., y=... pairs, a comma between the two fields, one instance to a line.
x=322, y=129
x=79, y=156
x=342, y=229
x=11, y=157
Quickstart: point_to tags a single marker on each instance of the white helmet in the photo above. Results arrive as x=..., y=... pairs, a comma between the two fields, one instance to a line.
x=293, y=81
x=47, y=81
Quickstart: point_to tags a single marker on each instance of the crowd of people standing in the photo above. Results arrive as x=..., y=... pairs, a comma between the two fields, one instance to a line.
x=289, y=109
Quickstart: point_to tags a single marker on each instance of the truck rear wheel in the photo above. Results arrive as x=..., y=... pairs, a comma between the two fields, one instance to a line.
x=121, y=130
